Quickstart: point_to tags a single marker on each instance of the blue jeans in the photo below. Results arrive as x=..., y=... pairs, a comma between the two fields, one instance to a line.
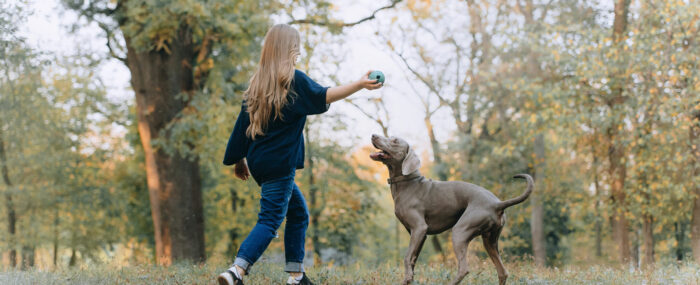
x=281, y=198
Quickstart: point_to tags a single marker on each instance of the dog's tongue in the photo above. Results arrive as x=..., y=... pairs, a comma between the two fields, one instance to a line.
x=378, y=155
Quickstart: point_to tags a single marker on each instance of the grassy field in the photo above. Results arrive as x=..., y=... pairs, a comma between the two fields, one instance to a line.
x=482, y=273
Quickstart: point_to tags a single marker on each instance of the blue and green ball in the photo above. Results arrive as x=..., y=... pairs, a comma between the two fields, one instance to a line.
x=377, y=75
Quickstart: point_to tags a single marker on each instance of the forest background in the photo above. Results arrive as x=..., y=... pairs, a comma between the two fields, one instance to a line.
x=114, y=116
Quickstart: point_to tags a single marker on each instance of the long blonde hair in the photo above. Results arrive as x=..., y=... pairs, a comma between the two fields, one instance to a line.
x=272, y=80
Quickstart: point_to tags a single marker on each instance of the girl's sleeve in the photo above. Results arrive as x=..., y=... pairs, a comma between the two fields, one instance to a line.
x=311, y=97
x=237, y=146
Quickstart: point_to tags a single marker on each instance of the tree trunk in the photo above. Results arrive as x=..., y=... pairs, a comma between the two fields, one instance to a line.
x=537, y=218
x=620, y=21
x=313, y=199
x=679, y=229
x=55, y=237
x=435, y=145
x=647, y=231
x=174, y=185
x=617, y=170
x=233, y=233
x=27, y=257
x=539, y=249
x=647, y=234
x=598, y=232
x=648, y=238
x=636, y=236
x=11, y=215
x=598, y=202
x=73, y=258
x=695, y=222
x=617, y=173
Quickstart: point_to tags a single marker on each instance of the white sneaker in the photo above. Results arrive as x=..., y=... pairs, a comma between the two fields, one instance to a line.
x=229, y=278
x=304, y=280
x=292, y=280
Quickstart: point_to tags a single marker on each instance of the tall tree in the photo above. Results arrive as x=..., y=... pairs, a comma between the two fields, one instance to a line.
x=158, y=77
x=169, y=55
x=19, y=84
x=527, y=9
x=617, y=171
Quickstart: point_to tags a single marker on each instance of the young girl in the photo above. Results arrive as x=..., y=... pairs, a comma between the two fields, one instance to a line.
x=267, y=142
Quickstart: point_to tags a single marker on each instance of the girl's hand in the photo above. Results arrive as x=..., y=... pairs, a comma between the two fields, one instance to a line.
x=241, y=170
x=341, y=92
x=369, y=84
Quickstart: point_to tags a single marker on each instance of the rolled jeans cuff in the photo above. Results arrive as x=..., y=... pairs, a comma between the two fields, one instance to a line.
x=294, y=267
x=242, y=263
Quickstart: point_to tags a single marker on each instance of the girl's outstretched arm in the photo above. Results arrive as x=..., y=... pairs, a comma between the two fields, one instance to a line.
x=341, y=92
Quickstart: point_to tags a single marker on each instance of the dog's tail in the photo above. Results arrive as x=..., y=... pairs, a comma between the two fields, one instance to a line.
x=521, y=198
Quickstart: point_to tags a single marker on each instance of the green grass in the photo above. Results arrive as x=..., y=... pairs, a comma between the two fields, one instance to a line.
x=267, y=273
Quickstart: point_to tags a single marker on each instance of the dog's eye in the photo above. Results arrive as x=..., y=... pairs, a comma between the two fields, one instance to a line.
x=395, y=140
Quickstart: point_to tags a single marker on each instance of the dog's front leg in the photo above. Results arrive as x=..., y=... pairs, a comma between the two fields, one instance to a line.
x=417, y=238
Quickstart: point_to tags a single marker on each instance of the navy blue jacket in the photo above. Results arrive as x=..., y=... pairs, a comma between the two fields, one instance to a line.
x=281, y=149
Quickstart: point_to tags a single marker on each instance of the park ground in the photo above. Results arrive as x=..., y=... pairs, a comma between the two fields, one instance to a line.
x=270, y=273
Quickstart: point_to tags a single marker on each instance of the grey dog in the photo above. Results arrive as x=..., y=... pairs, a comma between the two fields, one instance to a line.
x=427, y=207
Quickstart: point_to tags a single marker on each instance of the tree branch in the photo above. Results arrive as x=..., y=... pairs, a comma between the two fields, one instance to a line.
x=376, y=119
x=545, y=11
x=342, y=24
x=419, y=76
x=106, y=29
x=454, y=105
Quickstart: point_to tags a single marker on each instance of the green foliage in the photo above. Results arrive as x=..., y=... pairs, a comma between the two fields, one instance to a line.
x=503, y=75
x=557, y=226
x=651, y=67
x=57, y=141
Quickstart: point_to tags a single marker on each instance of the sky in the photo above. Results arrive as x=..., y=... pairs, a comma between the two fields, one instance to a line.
x=48, y=30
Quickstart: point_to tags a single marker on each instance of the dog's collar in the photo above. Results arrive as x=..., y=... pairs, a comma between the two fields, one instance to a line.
x=402, y=178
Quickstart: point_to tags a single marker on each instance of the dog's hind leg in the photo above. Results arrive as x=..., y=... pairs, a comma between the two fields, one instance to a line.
x=491, y=245
x=460, y=243
x=462, y=233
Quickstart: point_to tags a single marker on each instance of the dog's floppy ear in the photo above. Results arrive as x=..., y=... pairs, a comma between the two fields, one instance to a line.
x=410, y=163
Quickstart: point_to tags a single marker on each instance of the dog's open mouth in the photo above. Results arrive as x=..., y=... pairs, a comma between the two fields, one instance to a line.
x=380, y=155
